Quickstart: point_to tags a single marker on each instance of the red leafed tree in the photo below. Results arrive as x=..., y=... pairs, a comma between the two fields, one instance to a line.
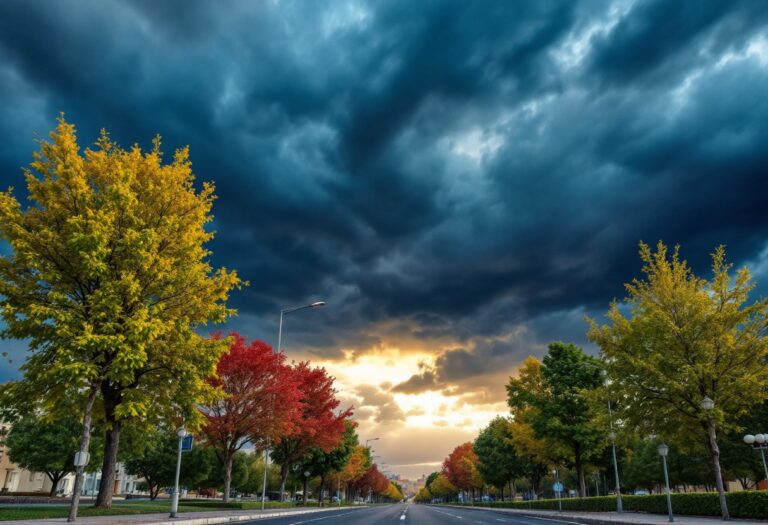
x=372, y=482
x=261, y=401
x=460, y=467
x=317, y=425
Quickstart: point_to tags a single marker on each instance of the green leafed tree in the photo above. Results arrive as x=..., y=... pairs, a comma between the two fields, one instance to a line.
x=558, y=408
x=499, y=463
x=108, y=279
x=680, y=340
x=40, y=445
x=323, y=464
x=157, y=462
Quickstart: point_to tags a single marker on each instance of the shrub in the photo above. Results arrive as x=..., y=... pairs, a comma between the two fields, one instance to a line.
x=747, y=504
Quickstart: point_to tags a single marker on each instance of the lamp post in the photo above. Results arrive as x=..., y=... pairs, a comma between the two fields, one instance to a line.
x=758, y=442
x=306, y=483
x=619, y=504
x=182, y=433
x=663, y=450
x=283, y=312
x=557, y=490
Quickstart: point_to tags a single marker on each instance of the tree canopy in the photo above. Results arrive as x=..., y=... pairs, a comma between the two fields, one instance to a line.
x=558, y=408
x=680, y=339
x=108, y=279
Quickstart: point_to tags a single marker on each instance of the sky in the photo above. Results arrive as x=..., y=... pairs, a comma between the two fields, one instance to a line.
x=461, y=182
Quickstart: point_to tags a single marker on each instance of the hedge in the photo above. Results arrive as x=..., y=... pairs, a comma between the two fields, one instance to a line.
x=747, y=504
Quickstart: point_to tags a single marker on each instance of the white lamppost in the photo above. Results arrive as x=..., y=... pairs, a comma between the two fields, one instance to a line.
x=182, y=433
x=283, y=312
x=663, y=450
x=612, y=435
x=558, y=488
x=758, y=442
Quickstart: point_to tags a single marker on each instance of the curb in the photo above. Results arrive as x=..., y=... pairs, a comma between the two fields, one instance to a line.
x=241, y=517
x=568, y=518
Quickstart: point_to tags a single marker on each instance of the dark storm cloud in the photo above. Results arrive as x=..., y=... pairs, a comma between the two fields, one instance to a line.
x=465, y=168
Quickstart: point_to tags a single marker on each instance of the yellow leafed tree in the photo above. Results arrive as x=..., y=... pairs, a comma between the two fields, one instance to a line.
x=108, y=279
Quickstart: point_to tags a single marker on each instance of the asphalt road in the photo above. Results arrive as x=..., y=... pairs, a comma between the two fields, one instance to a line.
x=406, y=514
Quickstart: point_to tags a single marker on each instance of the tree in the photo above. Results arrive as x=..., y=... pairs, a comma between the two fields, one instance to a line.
x=432, y=477
x=442, y=487
x=157, y=463
x=261, y=401
x=39, y=445
x=684, y=340
x=498, y=461
x=423, y=495
x=562, y=411
x=108, y=280
x=238, y=475
x=317, y=426
x=460, y=467
x=320, y=463
x=359, y=462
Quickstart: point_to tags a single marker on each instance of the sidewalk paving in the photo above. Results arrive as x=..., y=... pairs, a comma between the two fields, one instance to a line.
x=189, y=518
x=614, y=518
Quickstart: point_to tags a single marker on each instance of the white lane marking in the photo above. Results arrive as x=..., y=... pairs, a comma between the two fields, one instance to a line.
x=323, y=518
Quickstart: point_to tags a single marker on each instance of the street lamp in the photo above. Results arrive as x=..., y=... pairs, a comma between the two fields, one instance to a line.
x=558, y=488
x=283, y=312
x=612, y=435
x=707, y=403
x=663, y=450
x=306, y=482
x=182, y=433
x=759, y=442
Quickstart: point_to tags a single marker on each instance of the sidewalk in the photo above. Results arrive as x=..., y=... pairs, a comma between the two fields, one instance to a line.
x=614, y=518
x=188, y=518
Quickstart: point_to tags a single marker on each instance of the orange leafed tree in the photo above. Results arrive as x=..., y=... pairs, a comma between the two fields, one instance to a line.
x=261, y=401
x=460, y=467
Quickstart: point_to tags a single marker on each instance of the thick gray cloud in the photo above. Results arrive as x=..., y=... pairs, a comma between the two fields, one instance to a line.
x=469, y=169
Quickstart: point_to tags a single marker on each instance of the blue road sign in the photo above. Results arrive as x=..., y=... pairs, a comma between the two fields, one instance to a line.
x=186, y=443
x=557, y=487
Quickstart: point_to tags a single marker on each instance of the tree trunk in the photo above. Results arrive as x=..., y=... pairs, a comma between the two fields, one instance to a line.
x=580, y=471
x=55, y=477
x=111, y=397
x=85, y=441
x=320, y=497
x=715, y=452
x=228, y=460
x=306, y=480
x=109, y=466
x=284, y=469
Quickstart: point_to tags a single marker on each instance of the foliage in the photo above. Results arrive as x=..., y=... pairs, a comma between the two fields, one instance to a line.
x=423, y=496
x=498, y=462
x=261, y=401
x=238, y=475
x=558, y=407
x=441, y=487
x=108, y=279
x=686, y=338
x=460, y=468
x=39, y=445
x=318, y=426
x=157, y=464
x=743, y=505
x=321, y=463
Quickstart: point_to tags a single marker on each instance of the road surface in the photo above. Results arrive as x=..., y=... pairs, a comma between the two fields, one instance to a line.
x=405, y=514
